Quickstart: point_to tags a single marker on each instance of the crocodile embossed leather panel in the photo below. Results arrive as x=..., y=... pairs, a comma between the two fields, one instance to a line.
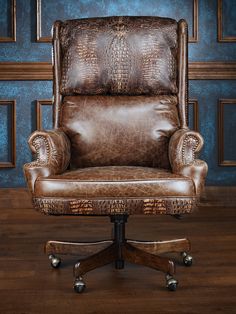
x=119, y=55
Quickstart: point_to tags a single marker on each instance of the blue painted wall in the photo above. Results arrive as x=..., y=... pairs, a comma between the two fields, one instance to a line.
x=27, y=93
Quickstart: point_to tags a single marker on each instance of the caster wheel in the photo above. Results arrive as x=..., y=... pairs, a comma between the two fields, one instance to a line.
x=187, y=259
x=79, y=285
x=55, y=261
x=171, y=283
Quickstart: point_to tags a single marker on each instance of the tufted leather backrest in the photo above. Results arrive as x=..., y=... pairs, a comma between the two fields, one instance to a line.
x=118, y=55
x=119, y=130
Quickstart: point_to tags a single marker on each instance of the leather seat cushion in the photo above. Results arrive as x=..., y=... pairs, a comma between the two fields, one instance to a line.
x=115, y=182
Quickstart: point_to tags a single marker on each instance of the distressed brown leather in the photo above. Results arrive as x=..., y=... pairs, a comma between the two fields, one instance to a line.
x=119, y=130
x=183, y=149
x=121, y=112
x=52, y=150
x=118, y=181
x=119, y=55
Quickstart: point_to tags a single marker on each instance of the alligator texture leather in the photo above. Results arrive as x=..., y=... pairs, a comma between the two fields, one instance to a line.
x=121, y=142
x=119, y=55
x=119, y=130
x=107, y=206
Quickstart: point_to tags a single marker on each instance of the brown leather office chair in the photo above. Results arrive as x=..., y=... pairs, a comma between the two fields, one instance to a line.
x=121, y=143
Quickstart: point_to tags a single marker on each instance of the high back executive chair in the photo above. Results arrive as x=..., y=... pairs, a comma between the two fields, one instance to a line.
x=120, y=143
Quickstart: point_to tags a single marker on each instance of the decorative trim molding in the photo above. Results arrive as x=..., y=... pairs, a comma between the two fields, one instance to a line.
x=194, y=102
x=213, y=70
x=222, y=161
x=221, y=38
x=21, y=71
x=48, y=39
x=12, y=38
x=39, y=103
x=12, y=163
x=194, y=37
x=39, y=37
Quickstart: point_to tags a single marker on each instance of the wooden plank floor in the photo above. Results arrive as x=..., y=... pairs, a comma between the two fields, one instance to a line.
x=28, y=285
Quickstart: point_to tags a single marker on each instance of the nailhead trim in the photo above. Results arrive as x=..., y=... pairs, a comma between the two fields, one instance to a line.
x=194, y=142
x=37, y=143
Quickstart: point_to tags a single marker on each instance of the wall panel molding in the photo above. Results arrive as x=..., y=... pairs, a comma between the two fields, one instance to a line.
x=194, y=103
x=221, y=158
x=12, y=162
x=20, y=71
x=12, y=38
x=194, y=37
x=221, y=37
x=213, y=70
x=39, y=37
x=47, y=39
x=39, y=104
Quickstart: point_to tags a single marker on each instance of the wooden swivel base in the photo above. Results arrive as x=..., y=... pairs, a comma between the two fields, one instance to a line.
x=119, y=250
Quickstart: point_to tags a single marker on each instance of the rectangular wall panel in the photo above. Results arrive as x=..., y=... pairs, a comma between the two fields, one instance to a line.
x=226, y=132
x=44, y=114
x=208, y=94
x=49, y=11
x=193, y=114
x=226, y=21
x=7, y=134
x=7, y=20
x=26, y=94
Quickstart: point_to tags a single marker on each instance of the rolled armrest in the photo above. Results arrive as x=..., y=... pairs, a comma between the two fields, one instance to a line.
x=52, y=150
x=183, y=149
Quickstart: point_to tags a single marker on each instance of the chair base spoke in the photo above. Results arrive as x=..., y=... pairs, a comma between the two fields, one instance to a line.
x=96, y=254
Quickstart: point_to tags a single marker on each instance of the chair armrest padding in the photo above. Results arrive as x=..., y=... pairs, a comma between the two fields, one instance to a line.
x=183, y=148
x=52, y=150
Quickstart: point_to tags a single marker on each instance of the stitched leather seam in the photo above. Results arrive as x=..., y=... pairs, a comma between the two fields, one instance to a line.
x=62, y=180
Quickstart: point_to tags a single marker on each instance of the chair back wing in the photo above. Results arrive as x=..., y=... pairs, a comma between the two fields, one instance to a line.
x=120, y=88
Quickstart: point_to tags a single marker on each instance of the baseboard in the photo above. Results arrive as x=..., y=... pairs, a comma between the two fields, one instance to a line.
x=213, y=196
x=219, y=196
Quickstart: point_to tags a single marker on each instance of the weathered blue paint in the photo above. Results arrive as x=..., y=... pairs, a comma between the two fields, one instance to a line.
x=73, y=9
x=229, y=14
x=229, y=131
x=191, y=116
x=46, y=111
x=26, y=49
x=206, y=92
x=26, y=93
x=5, y=16
x=5, y=131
